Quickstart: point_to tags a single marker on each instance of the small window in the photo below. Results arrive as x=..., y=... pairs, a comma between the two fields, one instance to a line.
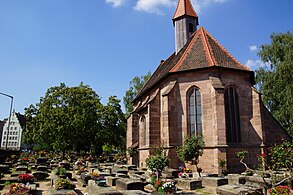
x=191, y=28
x=15, y=128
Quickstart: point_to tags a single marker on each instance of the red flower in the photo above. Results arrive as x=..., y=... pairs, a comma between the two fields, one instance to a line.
x=159, y=182
x=263, y=155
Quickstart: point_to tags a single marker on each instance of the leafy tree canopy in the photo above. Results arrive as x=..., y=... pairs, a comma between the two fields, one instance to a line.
x=136, y=85
x=72, y=118
x=275, y=81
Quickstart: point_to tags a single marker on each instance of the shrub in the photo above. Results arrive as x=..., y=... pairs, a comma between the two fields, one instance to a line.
x=63, y=184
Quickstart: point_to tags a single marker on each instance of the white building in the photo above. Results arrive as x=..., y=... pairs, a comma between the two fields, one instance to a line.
x=13, y=136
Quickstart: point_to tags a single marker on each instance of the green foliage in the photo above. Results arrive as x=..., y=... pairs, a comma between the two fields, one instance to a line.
x=113, y=125
x=191, y=149
x=107, y=149
x=241, y=154
x=136, y=85
x=158, y=161
x=132, y=151
x=73, y=118
x=63, y=184
x=60, y=171
x=282, y=156
x=222, y=163
x=275, y=81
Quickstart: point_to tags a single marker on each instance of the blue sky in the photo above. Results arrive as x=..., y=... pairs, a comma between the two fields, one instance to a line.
x=105, y=43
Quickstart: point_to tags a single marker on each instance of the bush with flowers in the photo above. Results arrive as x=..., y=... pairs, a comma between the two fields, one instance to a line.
x=281, y=190
x=184, y=172
x=168, y=187
x=18, y=189
x=279, y=169
x=25, y=178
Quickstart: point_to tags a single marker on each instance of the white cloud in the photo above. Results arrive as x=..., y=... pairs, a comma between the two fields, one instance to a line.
x=115, y=3
x=157, y=6
x=154, y=6
x=255, y=64
x=253, y=48
x=198, y=4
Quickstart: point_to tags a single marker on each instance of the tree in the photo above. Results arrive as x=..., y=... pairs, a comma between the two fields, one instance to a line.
x=66, y=118
x=113, y=130
x=136, y=85
x=191, y=150
x=275, y=82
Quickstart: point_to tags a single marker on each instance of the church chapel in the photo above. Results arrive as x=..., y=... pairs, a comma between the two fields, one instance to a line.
x=201, y=89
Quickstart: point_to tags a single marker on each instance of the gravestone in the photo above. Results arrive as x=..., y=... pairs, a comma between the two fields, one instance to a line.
x=213, y=181
x=22, y=168
x=189, y=184
x=128, y=184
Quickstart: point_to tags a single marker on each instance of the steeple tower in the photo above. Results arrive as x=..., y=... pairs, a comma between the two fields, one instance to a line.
x=185, y=21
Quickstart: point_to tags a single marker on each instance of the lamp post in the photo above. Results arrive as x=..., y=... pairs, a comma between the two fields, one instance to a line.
x=9, y=119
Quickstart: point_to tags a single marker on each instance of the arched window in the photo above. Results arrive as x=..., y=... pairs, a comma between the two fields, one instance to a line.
x=232, y=116
x=195, y=114
x=143, y=130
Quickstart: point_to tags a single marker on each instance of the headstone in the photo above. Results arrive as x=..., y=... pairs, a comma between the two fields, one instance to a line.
x=237, y=190
x=189, y=184
x=41, y=161
x=42, y=168
x=40, y=175
x=121, y=175
x=111, y=181
x=17, y=173
x=236, y=179
x=22, y=168
x=4, y=168
x=127, y=184
x=213, y=181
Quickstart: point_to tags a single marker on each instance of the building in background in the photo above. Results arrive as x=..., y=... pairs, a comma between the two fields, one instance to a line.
x=13, y=136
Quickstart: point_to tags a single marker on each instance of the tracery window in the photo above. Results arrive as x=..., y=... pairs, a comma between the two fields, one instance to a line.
x=143, y=130
x=195, y=113
x=232, y=116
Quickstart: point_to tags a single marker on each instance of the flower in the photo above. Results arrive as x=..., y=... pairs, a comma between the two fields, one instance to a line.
x=18, y=189
x=168, y=186
x=25, y=178
x=263, y=155
x=281, y=190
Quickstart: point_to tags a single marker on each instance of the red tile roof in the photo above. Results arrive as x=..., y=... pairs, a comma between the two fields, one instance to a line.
x=184, y=7
x=202, y=50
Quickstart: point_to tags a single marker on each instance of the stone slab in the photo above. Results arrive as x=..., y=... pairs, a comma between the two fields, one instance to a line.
x=189, y=184
x=128, y=184
x=15, y=174
x=52, y=191
x=236, y=179
x=237, y=190
x=111, y=181
x=213, y=181
x=21, y=168
x=96, y=190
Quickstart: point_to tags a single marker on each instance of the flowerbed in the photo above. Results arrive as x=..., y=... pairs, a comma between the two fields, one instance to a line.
x=18, y=189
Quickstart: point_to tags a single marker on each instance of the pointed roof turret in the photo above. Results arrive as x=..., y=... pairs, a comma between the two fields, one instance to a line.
x=184, y=8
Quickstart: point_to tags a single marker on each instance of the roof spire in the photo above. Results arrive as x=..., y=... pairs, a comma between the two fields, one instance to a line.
x=184, y=8
x=185, y=21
